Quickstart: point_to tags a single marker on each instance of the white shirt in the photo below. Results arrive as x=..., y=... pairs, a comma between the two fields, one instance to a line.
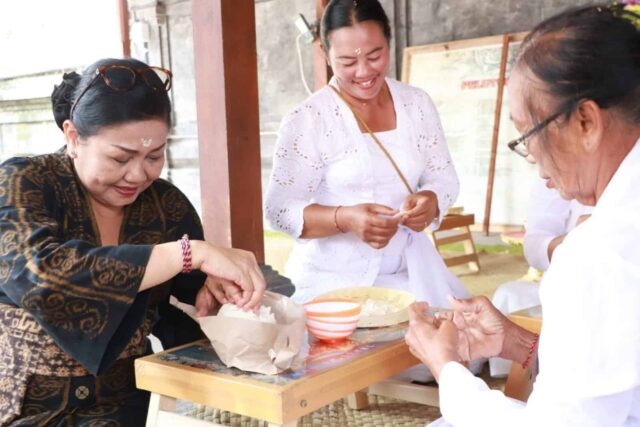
x=549, y=216
x=389, y=191
x=589, y=350
x=322, y=157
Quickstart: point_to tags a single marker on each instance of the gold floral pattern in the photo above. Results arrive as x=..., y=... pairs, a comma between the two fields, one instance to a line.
x=44, y=389
x=65, y=262
x=8, y=242
x=30, y=356
x=174, y=206
x=33, y=199
x=144, y=213
x=67, y=313
x=145, y=237
x=108, y=273
x=5, y=270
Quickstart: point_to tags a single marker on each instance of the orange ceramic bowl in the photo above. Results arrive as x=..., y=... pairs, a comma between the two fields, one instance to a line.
x=332, y=318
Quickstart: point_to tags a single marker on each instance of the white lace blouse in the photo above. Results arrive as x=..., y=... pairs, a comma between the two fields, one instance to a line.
x=321, y=157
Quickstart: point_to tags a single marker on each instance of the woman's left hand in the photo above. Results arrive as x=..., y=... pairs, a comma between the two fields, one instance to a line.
x=434, y=342
x=206, y=301
x=215, y=292
x=420, y=209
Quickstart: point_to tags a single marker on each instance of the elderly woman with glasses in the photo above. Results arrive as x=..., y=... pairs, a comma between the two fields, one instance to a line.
x=93, y=244
x=574, y=94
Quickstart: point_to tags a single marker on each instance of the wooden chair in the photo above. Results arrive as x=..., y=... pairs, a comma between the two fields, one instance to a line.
x=455, y=228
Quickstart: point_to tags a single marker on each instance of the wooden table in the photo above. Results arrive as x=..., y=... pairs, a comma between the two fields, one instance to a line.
x=520, y=381
x=331, y=371
x=529, y=318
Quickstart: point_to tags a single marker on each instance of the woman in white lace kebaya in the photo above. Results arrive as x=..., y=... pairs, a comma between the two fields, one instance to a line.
x=336, y=191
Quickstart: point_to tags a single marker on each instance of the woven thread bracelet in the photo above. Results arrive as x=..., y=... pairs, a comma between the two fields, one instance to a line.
x=335, y=220
x=186, y=254
x=534, y=344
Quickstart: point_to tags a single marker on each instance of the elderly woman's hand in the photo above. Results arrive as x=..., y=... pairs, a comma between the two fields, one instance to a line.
x=420, y=209
x=233, y=272
x=433, y=341
x=482, y=327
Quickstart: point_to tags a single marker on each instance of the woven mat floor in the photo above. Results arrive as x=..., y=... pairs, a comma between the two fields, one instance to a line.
x=382, y=412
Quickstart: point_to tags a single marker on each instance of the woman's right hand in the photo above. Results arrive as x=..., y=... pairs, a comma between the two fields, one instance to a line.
x=482, y=327
x=237, y=269
x=433, y=341
x=368, y=223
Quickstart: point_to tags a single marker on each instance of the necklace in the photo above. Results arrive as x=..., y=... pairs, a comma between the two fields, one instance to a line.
x=371, y=102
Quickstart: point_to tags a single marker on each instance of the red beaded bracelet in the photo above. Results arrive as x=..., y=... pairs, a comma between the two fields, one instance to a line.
x=534, y=344
x=186, y=254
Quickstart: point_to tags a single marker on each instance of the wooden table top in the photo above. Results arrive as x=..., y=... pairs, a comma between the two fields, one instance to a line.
x=529, y=318
x=330, y=372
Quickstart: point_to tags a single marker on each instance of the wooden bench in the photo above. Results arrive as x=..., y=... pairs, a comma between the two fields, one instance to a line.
x=455, y=228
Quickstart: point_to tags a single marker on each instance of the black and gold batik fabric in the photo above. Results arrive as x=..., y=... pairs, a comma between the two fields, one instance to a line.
x=53, y=389
x=69, y=307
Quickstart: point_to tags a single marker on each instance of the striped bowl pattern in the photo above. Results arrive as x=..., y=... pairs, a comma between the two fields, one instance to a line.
x=331, y=319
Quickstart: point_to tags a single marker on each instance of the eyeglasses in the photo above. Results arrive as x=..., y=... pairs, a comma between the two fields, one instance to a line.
x=518, y=145
x=122, y=78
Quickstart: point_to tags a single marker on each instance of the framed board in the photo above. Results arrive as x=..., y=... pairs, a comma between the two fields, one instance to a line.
x=462, y=79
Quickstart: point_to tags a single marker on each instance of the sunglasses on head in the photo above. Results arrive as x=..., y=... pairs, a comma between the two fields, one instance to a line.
x=122, y=78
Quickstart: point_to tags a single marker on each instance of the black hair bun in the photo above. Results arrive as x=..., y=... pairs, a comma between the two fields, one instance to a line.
x=62, y=97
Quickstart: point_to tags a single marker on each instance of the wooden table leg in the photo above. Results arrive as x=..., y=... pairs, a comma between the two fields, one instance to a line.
x=162, y=414
x=422, y=394
x=358, y=400
x=519, y=382
x=158, y=403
